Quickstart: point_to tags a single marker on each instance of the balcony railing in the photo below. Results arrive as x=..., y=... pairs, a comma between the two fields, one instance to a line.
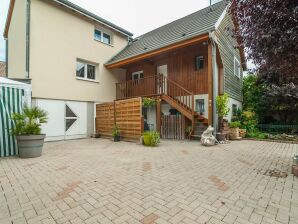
x=154, y=86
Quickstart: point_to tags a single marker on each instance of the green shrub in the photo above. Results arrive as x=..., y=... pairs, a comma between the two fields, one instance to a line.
x=116, y=131
x=151, y=138
x=29, y=121
x=235, y=124
x=222, y=108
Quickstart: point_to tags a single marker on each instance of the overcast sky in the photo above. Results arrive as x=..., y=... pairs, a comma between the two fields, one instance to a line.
x=136, y=16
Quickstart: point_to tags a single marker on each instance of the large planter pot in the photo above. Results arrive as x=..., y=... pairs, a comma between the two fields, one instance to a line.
x=30, y=146
x=242, y=133
x=234, y=133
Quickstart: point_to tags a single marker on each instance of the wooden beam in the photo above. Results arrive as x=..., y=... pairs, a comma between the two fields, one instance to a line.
x=158, y=115
x=174, y=46
x=210, y=86
x=8, y=19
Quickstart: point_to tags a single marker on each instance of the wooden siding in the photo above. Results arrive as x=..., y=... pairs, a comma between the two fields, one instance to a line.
x=181, y=68
x=226, y=44
x=128, y=118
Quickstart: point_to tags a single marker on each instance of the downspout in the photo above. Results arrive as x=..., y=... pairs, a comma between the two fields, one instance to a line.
x=28, y=11
x=215, y=80
x=6, y=57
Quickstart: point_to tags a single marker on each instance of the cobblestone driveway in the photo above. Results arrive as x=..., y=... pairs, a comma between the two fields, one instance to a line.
x=99, y=181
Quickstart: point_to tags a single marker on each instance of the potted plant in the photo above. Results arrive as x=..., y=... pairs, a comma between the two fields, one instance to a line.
x=222, y=111
x=27, y=130
x=151, y=138
x=116, y=133
x=234, y=130
x=188, y=132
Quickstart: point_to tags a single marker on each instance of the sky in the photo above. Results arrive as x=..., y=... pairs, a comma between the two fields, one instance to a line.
x=136, y=16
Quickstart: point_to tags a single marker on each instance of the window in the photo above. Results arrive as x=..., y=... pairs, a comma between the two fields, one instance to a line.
x=237, y=69
x=199, y=62
x=70, y=117
x=200, y=106
x=102, y=37
x=234, y=110
x=86, y=71
x=136, y=76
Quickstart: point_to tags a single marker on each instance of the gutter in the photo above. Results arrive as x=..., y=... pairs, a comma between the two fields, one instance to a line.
x=28, y=15
x=215, y=80
x=6, y=57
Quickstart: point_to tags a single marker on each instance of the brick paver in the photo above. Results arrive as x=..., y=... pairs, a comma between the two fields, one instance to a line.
x=99, y=181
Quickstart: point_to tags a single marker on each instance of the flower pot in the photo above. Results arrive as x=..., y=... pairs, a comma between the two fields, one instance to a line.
x=116, y=138
x=242, y=133
x=147, y=140
x=220, y=136
x=96, y=135
x=30, y=146
x=234, y=133
x=295, y=160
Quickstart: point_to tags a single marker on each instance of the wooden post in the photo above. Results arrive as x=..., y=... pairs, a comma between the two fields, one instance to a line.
x=158, y=114
x=210, y=86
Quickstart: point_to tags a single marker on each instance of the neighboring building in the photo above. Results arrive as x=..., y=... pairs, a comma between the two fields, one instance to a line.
x=64, y=56
x=74, y=58
x=2, y=69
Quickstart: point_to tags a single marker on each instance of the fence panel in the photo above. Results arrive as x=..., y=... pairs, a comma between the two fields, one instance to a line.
x=128, y=118
x=172, y=127
x=278, y=128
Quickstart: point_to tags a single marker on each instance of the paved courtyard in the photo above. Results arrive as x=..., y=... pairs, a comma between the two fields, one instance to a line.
x=99, y=181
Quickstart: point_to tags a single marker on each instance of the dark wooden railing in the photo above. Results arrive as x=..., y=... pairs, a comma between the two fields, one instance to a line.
x=156, y=85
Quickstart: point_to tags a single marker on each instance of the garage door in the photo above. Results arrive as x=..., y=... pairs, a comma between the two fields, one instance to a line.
x=67, y=119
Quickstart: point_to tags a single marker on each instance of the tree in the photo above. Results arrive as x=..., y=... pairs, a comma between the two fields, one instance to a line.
x=268, y=31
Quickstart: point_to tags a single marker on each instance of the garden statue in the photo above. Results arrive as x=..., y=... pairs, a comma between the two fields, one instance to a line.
x=207, y=138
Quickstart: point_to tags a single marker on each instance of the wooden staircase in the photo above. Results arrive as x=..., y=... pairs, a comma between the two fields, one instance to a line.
x=171, y=92
x=183, y=101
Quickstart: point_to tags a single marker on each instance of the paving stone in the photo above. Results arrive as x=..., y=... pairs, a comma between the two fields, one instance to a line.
x=98, y=181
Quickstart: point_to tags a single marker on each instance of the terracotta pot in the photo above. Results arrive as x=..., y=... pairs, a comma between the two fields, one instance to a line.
x=234, y=133
x=30, y=146
x=242, y=133
x=220, y=136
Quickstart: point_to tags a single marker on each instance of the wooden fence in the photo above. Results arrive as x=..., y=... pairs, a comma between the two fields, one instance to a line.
x=173, y=126
x=128, y=116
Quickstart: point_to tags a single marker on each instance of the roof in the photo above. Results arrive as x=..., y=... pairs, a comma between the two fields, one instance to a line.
x=74, y=7
x=13, y=84
x=2, y=68
x=195, y=24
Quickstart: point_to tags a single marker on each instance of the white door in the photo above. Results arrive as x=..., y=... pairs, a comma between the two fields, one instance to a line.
x=75, y=119
x=163, y=70
x=67, y=119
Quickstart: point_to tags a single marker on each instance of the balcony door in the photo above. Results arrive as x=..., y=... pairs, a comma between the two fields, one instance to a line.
x=162, y=86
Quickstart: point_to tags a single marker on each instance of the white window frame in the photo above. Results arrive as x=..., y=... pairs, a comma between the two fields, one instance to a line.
x=137, y=73
x=101, y=36
x=85, y=71
x=239, y=68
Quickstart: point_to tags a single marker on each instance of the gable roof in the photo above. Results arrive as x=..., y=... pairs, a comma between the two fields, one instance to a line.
x=75, y=8
x=200, y=22
x=2, y=68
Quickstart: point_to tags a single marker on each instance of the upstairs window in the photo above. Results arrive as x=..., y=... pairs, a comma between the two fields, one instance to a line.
x=237, y=69
x=137, y=76
x=199, y=63
x=102, y=37
x=86, y=71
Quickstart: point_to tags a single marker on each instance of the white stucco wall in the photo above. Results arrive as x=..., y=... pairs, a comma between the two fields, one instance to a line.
x=58, y=39
x=17, y=42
